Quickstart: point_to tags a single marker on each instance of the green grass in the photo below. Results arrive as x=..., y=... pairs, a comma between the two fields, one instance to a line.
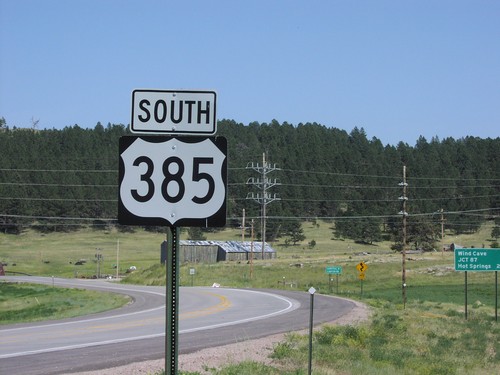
x=55, y=254
x=32, y=302
x=422, y=339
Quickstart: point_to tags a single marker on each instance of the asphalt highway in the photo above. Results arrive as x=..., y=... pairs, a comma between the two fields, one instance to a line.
x=208, y=317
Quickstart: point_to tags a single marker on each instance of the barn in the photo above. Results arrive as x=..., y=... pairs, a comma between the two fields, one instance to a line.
x=220, y=251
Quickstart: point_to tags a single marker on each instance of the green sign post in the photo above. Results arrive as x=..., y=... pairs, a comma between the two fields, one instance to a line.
x=200, y=198
x=333, y=270
x=478, y=260
x=172, y=304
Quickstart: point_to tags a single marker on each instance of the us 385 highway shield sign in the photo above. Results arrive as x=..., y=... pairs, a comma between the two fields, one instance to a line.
x=179, y=181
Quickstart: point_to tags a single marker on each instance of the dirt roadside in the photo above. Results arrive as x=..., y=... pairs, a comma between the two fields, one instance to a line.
x=252, y=350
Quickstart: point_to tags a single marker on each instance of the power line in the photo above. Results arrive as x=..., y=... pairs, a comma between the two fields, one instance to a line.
x=357, y=217
x=58, y=217
x=414, y=198
x=458, y=178
x=243, y=168
x=243, y=184
x=337, y=174
x=56, y=185
x=59, y=199
x=316, y=217
x=341, y=186
x=282, y=199
x=390, y=187
x=60, y=170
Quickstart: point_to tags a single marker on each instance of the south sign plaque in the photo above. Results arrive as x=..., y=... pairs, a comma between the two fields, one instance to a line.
x=176, y=181
x=189, y=112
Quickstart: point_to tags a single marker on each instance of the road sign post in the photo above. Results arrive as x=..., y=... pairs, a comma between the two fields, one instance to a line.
x=192, y=271
x=172, y=293
x=361, y=278
x=171, y=180
x=478, y=260
x=361, y=267
x=333, y=270
x=311, y=324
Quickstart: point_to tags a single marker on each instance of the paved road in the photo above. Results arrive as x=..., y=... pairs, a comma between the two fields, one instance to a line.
x=208, y=317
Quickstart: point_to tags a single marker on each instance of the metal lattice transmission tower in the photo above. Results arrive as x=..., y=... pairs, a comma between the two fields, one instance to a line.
x=263, y=197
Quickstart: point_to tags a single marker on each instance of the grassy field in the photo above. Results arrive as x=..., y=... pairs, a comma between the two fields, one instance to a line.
x=57, y=254
x=427, y=335
x=21, y=303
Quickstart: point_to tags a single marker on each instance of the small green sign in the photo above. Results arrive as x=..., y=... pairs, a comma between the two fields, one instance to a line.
x=477, y=259
x=334, y=270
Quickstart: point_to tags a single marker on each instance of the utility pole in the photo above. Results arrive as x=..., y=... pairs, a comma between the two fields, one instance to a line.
x=442, y=232
x=243, y=227
x=117, y=259
x=251, y=252
x=263, y=197
x=404, y=199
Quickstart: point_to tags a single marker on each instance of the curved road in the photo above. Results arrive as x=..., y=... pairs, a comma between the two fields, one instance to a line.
x=208, y=317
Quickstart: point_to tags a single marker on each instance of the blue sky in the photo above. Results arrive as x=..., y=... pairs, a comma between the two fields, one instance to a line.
x=399, y=69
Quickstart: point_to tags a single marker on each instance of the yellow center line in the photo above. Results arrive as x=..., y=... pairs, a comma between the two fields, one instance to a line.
x=222, y=305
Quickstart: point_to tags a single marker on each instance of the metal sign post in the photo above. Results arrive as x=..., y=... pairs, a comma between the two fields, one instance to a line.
x=496, y=296
x=311, y=324
x=172, y=292
x=465, y=290
x=192, y=271
x=361, y=277
x=361, y=267
x=171, y=180
x=478, y=260
x=333, y=270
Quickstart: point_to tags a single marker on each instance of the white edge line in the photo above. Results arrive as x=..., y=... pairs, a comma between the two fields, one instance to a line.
x=93, y=319
x=292, y=305
x=80, y=346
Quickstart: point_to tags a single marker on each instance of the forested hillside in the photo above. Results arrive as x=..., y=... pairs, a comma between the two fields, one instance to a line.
x=62, y=179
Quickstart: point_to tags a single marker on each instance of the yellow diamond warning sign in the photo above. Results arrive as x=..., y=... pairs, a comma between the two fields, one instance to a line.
x=361, y=267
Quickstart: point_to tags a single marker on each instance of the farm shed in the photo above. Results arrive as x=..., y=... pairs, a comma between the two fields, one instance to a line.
x=219, y=251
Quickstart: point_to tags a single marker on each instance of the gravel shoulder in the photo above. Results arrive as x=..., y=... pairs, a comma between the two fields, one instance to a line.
x=252, y=350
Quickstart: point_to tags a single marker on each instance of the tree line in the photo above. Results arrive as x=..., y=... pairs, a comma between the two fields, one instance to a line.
x=63, y=179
